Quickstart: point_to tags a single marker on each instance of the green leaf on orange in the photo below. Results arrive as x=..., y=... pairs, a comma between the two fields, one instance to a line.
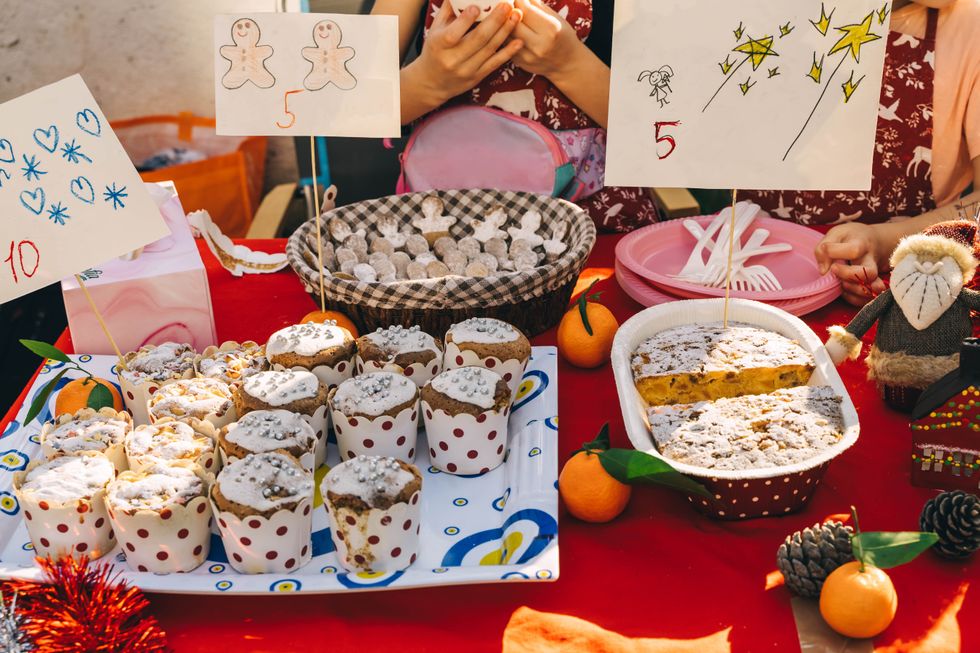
x=42, y=397
x=601, y=441
x=632, y=466
x=886, y=550
x=44, y=350
x=100, y=397
x=583, y=310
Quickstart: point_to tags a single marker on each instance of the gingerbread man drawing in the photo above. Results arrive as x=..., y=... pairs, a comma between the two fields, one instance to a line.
x=247, y=57
x=328, y=59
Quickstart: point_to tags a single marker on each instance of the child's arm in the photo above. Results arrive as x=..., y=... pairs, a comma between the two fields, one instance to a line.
x=454, y=58
x=858, y=253
x=552, y=49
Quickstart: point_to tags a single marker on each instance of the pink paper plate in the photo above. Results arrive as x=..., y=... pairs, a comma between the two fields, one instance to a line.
x=656, y=252
x=646, y=295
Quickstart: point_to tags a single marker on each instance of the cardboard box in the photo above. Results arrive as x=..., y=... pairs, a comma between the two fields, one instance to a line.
x=160, y=295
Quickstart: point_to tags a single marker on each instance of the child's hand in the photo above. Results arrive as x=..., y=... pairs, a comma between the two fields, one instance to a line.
x=549, y=41
x=455, y=59
x=853, y=252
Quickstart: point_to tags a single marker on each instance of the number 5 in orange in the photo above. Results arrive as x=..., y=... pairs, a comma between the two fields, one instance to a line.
x=285, y=108
x=665, y=138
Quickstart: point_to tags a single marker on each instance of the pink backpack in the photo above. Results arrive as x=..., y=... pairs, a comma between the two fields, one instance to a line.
x=478, y=147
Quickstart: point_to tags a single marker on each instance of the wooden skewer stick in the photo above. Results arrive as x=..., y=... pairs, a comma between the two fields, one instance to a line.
x=98, y=316
x=316, y=217
x=731, y=249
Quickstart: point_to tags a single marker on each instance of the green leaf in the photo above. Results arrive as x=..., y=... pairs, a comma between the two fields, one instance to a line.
x=42, y=397
x=887, y=550
x=632, y=466
x=100, y=397
x=583, y=310
x=601, y=441
x=44, y=350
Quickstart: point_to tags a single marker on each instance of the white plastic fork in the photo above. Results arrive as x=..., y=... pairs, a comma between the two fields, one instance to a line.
x=757, y=278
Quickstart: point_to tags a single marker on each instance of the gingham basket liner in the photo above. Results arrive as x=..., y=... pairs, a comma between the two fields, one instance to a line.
x=452, y=291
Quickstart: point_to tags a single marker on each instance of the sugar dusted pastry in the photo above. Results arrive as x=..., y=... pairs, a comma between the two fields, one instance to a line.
x=528, y=231
x=264, y=509
x=150, y=368
x=297, y=391
x=410, y=351
x=203, y=399
x=490, y=343
x=160, y=515
x=324, y=348
x=695, y=362
x=262, y=431
x=63, y=501
x=232, y=361
x=784, y=427
x=465, y=411
x=102, y=431
x=171, y=441
x=376, y=414
x=374, y=506
x=388, y=228
x=490, y=226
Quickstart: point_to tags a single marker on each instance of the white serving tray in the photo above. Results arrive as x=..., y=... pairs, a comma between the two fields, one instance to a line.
x=648, y=322
x=499, y=527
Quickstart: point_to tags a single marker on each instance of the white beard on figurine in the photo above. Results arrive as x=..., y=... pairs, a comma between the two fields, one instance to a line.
x=922, y=319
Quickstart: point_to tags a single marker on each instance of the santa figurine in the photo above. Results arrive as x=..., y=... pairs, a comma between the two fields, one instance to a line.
x=922, y=318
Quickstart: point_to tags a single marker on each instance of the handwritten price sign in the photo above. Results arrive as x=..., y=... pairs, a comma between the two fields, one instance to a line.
x=283, y=74
x=69, y=195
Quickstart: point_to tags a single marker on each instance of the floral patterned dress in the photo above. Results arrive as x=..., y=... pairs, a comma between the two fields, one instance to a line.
x=901, y=183
x=512, y=89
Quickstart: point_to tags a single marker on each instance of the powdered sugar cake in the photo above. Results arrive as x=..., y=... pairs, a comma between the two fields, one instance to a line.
x=697, y=362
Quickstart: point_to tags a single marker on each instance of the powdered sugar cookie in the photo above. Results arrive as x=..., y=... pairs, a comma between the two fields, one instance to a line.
x=416, y=245
x=443, y=246
x=401, y=260
x=388, y=227
x=364, y=272
x=477, y=269
x=437, y=269
x=416, y=271
x=381, y=245
x=469, y=246
x=435, y=224
x=530, y=225
x=489, y=227
x=456, y=261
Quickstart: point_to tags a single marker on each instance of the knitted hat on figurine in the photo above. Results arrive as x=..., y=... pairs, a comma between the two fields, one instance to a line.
x=922, y=318
x=964, y=231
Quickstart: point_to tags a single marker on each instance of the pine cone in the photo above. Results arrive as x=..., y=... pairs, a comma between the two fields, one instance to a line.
x=955, y=518
x=807, y=557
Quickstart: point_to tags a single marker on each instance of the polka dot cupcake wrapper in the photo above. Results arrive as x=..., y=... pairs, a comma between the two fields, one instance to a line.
x=175, y=539
x=778, y=495
x=376, y=540
x=256, y=545
x=319, y=421
x=380, y=436
x=512, y=370
x=78, y=528
x=419, y=373
x=465, y=444
x=136, y=396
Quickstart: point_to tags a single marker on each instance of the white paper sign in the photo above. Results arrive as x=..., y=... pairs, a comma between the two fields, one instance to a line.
x=284, y=74
x=69, y=194
x=753, y=94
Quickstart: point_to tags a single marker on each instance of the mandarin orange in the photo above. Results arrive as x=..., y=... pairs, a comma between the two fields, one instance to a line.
x=74, y=395
x=858, y=604
x=589, y=492
x=338, y=317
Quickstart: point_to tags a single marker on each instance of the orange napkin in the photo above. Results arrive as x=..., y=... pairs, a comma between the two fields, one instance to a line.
x=530, y=631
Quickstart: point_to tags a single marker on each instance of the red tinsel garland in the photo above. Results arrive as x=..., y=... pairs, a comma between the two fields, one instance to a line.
x=85, y=607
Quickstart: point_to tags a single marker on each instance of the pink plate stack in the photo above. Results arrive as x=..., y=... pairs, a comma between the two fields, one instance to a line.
x=648, y=259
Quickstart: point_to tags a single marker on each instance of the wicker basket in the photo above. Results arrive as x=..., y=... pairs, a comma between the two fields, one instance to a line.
x=533, y=300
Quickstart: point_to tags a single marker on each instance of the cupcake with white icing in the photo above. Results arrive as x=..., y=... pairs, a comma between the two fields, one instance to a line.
x=376, y=414
x=490, y=343
x=161, y=516
x=298, y=391
x=374, y=505
x=232, y=362
x=103, y=431
x=172, y=441
x=465, y=411
x=204, y=399
x=410, y=351
x=323, y=348
x=264, y=506
x=263, y=431
x=149, y=369
x=64, y=505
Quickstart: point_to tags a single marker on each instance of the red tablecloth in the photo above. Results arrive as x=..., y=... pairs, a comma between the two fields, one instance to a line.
x=659, y=570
